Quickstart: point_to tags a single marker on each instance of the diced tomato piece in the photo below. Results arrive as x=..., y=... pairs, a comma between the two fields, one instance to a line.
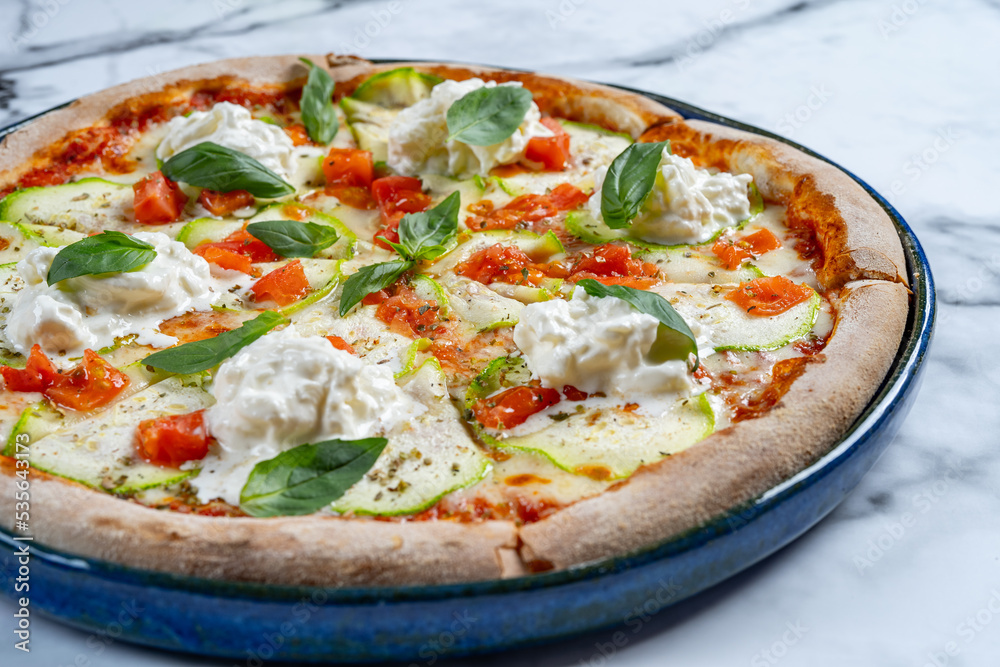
x=566, y=197
x=389, y=231
x=399, y=194
x=732, y=251
x=224, y=203
x=407, y=314
x=224, y=258
x=614, y=265
x=241, y=242
x=91, y=384
x=526, y=209
x=341, y=344
x=298, y=134
x=349, y=166
x=354, y=196
x=38, y=374
x=157, y=200
x=552, y=152
x=512, y=407
x=396, y=196
x=574, y=394
x=500, y=263
x=766, y=297
x=285, y=285
x=173, y=440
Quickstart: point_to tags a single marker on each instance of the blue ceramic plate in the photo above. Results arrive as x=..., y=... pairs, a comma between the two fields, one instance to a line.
x=419, y=623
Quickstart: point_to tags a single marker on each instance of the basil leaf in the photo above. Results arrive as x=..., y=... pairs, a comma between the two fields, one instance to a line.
x=201, y=355
x=209, y=165
x=628, y=182
x=674, y=338
x=424, y=235
x=370, y=279
x=487, y=116
x=107, y=252
x=290, y=238
x=307, y=478
x=318, y=114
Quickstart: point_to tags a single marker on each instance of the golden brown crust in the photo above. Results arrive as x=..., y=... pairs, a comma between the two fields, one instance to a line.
x=661, y=500
x=557, y=96
x=857, y=239
x=308, y=550
x=739, y=463
x=19, y=148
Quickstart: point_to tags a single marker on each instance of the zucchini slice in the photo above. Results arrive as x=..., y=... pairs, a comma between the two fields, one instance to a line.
x=732, y=328
x=396, y=88
x=369, y=124
x=595, y=438
x=99, y=449
x=425, y=459
x=88, y=205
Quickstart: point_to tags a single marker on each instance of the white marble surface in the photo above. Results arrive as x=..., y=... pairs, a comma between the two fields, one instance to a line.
x=902, y=92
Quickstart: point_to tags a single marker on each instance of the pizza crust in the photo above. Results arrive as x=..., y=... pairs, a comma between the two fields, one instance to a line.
x=725, y=470
x=18, y=149
x=581, y=101
x=308, y=550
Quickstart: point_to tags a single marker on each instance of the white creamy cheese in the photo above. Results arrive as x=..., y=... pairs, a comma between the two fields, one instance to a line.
x=686, y=204
x=92, y=311
x=597, y=344
x=285, y=390
x=232, y=126
x=418, y=136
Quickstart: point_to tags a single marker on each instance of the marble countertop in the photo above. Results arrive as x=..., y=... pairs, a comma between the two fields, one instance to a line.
x=902, y=92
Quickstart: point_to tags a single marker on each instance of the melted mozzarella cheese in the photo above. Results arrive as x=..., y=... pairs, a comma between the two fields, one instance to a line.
x=418, y=136
x=285, y=390
x=92, y=311
x=232, y=126
x=597, y=345
x=686, y=204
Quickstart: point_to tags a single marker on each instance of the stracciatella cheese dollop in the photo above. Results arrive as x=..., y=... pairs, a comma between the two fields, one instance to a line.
x=597, y=344
x=285, y=390
x=92, y=311
x=418, y=136
x=686, y=204
x=232, y=126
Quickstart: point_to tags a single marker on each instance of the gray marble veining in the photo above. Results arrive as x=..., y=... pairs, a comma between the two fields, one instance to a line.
x=902, y=92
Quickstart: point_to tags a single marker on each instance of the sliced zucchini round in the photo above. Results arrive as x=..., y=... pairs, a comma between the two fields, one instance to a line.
x=426, y=458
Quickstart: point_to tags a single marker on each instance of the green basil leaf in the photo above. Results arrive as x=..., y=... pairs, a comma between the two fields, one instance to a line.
x=318, y=113
x=201, y=355
x=209, y=165
x=424, y=235
x=307, y=478
x=107, y=252
x=628, y=182
x=290, y=238
x=370, y=279
x=487, y=116
x=674, y=338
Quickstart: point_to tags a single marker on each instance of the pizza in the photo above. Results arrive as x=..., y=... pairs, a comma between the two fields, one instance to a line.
x=417, y=323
